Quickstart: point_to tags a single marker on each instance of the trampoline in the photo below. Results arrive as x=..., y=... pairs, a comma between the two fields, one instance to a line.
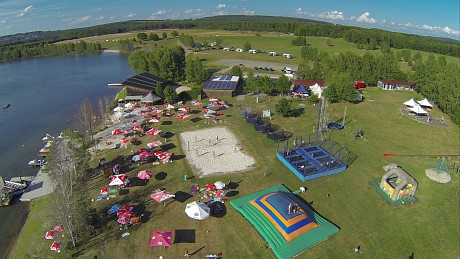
x=288, y=234
x=311, y=161
x=335, y=125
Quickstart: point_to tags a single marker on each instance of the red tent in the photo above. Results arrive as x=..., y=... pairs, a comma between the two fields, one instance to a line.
x=210, y=186
x=161, y=238
x=59, y=228
x=117, y=132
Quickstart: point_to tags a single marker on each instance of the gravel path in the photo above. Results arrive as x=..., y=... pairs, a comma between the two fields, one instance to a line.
x=251, y=64
x=215, y=150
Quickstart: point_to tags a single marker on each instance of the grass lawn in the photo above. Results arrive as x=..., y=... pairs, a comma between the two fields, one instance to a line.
x=429, y=229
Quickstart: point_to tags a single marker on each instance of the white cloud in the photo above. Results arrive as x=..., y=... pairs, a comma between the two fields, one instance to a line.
x=98, y=9
x=4, y=21
x=364, y=18
x=100, y=18
x=220, y=6
x=83, y=19
x=131, y=15
x=155, y=15
x=299, y=11
x=247, y=11
x=445, y=29
x=333, y=15
x=220, y=13
x=26, y=10
x=196, y=11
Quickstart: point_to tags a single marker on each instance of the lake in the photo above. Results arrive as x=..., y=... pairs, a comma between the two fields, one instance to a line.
x=45, y=94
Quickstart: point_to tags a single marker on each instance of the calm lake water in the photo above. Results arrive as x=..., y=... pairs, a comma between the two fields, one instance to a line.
x=45, y=95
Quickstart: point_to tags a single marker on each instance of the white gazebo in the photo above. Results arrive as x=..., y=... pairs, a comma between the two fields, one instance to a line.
x=197, y=210
x=411, y=103
x=425, y=103
x=317, y=89
x=417, y=109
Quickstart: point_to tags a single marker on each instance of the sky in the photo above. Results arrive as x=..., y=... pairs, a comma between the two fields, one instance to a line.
x=424, y=17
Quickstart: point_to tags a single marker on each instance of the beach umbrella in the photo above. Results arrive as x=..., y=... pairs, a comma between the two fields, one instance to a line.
x=208, y=116
x=154, y=112
x=210, y=187
x=49, y=234
x=136, y=158
x=214, y=104
x=144, y=155
x=127, y=130
x=134, y=121
x=118, y=109
x=59, y=228
x=56, y=247
x=168, y=114
x=222, y=102
x=127, y=207
x=153, y=144
x=197, y=104
x=168, y=106
x=162, y=196
x=154, y=119
x=123, y=220
x=161, y=238
x=184, y=108
x=104, y=190
x=219, y=185
x=117, y=132
x=125, y=140
x=114, y=209
x=197, y=210
x=183, y=116
x=220, y=113
x=124, y=213
x=152, y=132
x=118, y=180
x=133, y=140
x=213, y=99
x=144, y=175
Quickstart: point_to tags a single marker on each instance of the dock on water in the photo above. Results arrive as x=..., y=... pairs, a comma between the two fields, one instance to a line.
x=40, y=186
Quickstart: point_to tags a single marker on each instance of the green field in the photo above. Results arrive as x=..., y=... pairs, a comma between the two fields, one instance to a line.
x=429, y=229
x=281, y=43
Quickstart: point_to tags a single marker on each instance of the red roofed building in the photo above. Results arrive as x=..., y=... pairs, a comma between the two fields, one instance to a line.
x=308, y=83
x=395, y=85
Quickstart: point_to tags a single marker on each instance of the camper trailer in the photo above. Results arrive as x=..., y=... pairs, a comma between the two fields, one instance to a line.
x=287, y=55
x=252, y=51
x=226, y=49
x=239, y=50
x=273, y=53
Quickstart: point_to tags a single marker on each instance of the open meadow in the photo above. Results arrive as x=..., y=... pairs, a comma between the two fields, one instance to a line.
x=429, y=229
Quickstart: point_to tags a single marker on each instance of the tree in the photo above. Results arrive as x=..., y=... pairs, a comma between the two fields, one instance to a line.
x=340, y=88
x=283, y=107
x=154, y=37
x=164, y=35
x=266, y=85
x=138, y=61
x=170, y=94
x=299, y=41
x=174, y=34
x=159, y=90
x=283, y=84
x=126, y=45
x=141, y=36
x=250, y=84
x=66, y=170
x=219, y=41
x=329, y=42
x=247, y=46
x=86, y=116
x=236, y=71
x=194, y=70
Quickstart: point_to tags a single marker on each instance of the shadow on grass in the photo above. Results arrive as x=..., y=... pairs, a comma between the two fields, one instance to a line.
x=196, y=119
x=181, y=196
x=160, y=176
x=167, y=147
x=166, y=123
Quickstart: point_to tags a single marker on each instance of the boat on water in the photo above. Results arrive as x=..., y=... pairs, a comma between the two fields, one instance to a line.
x=37, y=162
x=6, y=105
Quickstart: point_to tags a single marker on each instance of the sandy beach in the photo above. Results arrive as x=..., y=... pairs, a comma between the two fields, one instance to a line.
x=215, y=150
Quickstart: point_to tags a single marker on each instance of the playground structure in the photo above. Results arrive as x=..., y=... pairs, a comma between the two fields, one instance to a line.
x=287, y=224
x=397, y=183
x=263, y=126
x=313, y=160
x=438, y=172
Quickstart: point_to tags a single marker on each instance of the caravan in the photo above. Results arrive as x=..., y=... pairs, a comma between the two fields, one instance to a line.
x=273, y=53
x=239, y=50
x=287, y=55
x=252, y=51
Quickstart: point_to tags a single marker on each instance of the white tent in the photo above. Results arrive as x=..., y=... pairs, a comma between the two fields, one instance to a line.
x=129, y=105
x=418, y=110
x=118, y=109
x=197, y=210
x=425, y=103
x=316, y=89
x=411, y=103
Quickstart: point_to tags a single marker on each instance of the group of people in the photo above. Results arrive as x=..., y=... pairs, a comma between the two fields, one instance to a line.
x=293, y=208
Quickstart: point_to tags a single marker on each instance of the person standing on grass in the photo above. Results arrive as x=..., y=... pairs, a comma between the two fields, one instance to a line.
x=186, y=253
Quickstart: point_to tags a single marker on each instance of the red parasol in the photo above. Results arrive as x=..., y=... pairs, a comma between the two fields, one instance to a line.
x=49, y=234
x=118, y=179
x=210, y=186
x=145, y=154
x=197, y=104
x=184, y=108
x=161, y=238
x=154, y=119
x=168, y=106
x=162, y=196
x=104, y=190
x=152, y=132
x=123, y=220
x=153, y=144
x=117, y=132
x=56, y=246
x=213, y=99
x=183, y=116
x=144, y=175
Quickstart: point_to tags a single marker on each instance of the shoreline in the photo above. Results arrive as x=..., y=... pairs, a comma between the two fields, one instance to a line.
x=13, y=243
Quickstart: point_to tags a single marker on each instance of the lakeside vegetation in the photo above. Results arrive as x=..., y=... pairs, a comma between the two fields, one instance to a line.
x=363, y=216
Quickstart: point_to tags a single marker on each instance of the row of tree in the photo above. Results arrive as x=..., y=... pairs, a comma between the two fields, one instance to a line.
x=19, y=52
